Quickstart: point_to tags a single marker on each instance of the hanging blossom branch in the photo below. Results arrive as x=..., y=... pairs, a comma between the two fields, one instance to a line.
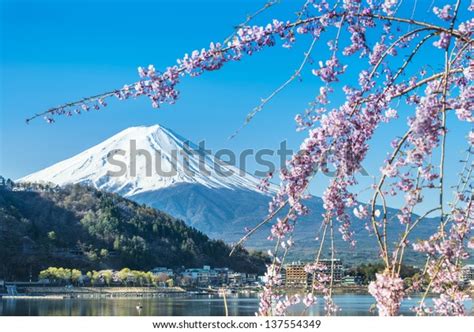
x=452, y=304
x=160, y=86
x=388, y=282
x=267, y=99
x=250, y=18
x=339, y=135
x=297, y=73
x=447, y=251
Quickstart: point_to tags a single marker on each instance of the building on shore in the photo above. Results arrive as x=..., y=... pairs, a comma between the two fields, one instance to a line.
x=351, y=281
x=162, y=270
x=294, y=274
x=236, y=278
x=251, y=278
x=337, y=266
x=200, y=276
x=283, y=275
x=222, y=275
x=207, y=276
x=468, y=274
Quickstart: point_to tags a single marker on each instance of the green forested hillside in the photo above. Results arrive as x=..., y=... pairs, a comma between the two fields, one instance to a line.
x=81, y=227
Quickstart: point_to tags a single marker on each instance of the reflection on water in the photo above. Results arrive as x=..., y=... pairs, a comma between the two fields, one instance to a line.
x=242, y=305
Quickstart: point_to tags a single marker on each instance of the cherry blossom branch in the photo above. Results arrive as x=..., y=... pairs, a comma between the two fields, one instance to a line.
x=438, y=265
x=402, y=244
x=250, y=18
x=296, y=74
x=428, y=288
x=383, y=239
x=443, y=114
x=264, y=101
x=331, y=282
x=257, y=227
x=462, y=184
x=419, y=23
x=392, y=46
x=411, y=228
x=424, y=82
x=219, y=53
x=266, y=220
x=316, y=262
x=377, y=191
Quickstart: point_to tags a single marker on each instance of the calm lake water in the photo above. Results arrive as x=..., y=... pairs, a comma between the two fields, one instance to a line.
x=241, y=305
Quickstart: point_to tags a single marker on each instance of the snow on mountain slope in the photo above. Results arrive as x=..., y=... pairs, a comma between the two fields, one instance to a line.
x=220, y=206
x=169, y=159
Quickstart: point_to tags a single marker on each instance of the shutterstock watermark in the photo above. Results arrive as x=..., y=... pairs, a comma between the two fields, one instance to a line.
x=192, y=159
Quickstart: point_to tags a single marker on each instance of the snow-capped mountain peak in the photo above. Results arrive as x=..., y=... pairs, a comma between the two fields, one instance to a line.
x=141, y=159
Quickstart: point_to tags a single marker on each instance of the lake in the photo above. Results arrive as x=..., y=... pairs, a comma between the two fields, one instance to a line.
x=213, y=305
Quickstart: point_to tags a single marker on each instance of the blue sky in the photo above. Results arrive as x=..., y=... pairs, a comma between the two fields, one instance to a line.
x=56, y=51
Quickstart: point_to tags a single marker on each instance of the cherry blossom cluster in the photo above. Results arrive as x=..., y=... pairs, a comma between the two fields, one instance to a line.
x=268, y=296
x=283, y=304
x=388, y=291
x=321, y=283
x=444, y=13
x=446, y=251
x=264, y=184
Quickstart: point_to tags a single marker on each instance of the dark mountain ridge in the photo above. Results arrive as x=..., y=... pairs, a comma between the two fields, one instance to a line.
x=81, y=227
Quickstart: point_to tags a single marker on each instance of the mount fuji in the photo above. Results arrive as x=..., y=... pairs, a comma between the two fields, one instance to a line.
x=214, y=197
x=158, y=167
x=142, y=159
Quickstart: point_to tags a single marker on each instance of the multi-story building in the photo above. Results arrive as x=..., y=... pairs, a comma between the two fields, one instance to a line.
x=236, y=278
x=197, y=275
x=251, y=278
x=468, y=274
x=351, y=281
x=222, y=275
x=294, y=274
x=338, y=269
x=162, y=270
x=283, y=276
x=208, y=276
x=201, y=277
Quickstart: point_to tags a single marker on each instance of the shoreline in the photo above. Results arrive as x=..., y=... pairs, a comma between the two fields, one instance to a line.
x=359, y=290
x=94, y=292
x=60, y=293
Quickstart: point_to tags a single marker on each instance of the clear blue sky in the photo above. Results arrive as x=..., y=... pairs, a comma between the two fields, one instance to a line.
x=56, y=51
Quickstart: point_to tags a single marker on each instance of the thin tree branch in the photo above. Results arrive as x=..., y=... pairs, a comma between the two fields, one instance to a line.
x=251, y=17
x=264, y=101
x=229, y=48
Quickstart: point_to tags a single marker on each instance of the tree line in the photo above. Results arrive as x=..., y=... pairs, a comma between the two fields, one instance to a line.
x=124, y=277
